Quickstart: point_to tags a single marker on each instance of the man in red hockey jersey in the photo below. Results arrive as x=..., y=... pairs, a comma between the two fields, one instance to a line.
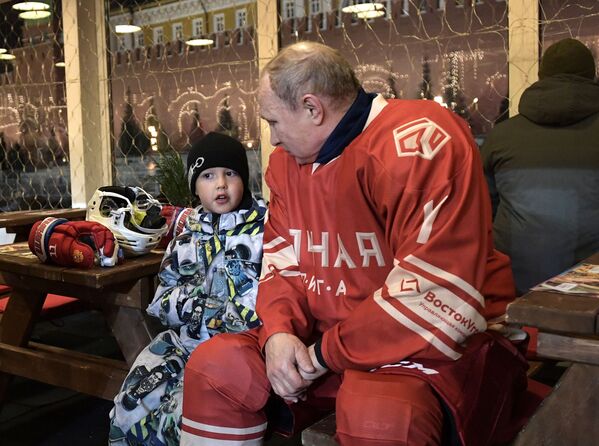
x=378, y=279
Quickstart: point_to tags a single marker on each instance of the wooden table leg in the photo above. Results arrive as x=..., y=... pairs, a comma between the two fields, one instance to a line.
x=131, y=329
x=568, y=416
x=16, y=325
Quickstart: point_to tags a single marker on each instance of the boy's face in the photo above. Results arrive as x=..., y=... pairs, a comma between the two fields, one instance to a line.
x=220, y=189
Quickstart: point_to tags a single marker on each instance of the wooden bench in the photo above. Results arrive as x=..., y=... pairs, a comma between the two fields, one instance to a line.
x=54, y=305
x=568, y=326
x=121, y=293
x=321, y=433
x=20, y=222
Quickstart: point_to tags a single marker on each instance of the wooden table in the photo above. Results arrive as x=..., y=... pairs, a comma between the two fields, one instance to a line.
x=568, y=331
x=20, y=222
x=121, y=293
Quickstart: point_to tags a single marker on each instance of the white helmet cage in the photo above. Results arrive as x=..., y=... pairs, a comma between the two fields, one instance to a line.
x=131, y=214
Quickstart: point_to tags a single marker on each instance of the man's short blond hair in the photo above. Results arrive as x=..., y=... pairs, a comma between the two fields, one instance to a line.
x=311, y=67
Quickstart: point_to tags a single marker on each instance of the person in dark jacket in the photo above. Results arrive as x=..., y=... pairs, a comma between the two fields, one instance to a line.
x=542, y=167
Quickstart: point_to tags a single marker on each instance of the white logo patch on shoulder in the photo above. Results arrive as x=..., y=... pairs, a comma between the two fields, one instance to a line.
x=422, y=137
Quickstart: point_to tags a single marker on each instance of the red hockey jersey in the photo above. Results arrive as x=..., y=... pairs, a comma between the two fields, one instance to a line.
x=386, y=250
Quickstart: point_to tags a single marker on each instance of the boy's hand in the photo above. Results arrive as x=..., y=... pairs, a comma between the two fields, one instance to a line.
x=286, y=356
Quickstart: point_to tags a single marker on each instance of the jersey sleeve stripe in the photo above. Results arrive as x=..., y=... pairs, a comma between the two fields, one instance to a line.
x=414, y=327
x=426, y=324
x=435, y=304
x=283, y=262
x=273, y=243
x=451, y=278
x=281, y=259
x=442, y=283
x=433, y=319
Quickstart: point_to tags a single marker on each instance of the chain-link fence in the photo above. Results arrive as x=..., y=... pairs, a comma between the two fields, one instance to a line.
x=34, y=149
x=165, y=93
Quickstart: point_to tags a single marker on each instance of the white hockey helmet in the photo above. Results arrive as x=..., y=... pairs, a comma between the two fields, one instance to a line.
x=131, y=214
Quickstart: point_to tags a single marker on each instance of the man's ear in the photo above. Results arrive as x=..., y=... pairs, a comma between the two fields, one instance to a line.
x=314, y=107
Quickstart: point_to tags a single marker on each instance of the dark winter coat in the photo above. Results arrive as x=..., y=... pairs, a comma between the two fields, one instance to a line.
x=543, y=172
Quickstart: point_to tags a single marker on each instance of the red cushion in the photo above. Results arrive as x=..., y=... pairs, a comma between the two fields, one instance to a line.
x=4, y=289
x=52, y=301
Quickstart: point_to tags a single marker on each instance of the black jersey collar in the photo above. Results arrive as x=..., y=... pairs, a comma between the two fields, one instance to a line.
x=350, y=126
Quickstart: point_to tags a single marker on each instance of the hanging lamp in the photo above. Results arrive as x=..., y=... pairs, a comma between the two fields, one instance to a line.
x=199, y=41
x=367, y=10
x=32, y=10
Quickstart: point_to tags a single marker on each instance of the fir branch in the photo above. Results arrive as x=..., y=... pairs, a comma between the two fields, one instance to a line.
x=172, y=178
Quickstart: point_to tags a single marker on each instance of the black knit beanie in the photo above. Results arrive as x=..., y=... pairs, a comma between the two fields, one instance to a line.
x=218, y=150
x=568, y=56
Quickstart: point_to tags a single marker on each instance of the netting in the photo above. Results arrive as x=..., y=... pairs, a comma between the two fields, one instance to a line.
x=166, y=94
x=454, y=52
x=579, y=20
x=34, y=150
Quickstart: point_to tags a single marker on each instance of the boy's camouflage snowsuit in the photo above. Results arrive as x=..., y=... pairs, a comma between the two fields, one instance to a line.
x=208, y=285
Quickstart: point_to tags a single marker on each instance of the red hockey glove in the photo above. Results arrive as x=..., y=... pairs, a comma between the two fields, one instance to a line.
x=73, y=243
x=175, y=219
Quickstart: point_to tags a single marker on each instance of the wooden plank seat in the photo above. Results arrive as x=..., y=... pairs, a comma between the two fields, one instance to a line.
x=95, y=375
x=121, y=294
x=55, y=305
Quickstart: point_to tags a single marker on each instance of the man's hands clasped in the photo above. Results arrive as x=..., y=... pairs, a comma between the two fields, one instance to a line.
x=291, y=367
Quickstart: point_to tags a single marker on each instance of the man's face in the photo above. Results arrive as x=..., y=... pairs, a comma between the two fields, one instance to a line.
x=291, y=129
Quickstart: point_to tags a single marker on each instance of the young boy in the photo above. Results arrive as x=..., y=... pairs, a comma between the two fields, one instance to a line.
x=208, y=285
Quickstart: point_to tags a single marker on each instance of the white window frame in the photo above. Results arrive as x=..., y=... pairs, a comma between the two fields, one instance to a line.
x=177, y=30
x=315, y=7
x=241, y=18
x=240, y=24
x=288, y=9
x=158, y=35
x=219, y=22
x=140, y=40
x=197, y=26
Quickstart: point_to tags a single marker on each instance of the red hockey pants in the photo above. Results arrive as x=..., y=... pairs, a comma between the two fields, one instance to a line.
x=226, y=389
